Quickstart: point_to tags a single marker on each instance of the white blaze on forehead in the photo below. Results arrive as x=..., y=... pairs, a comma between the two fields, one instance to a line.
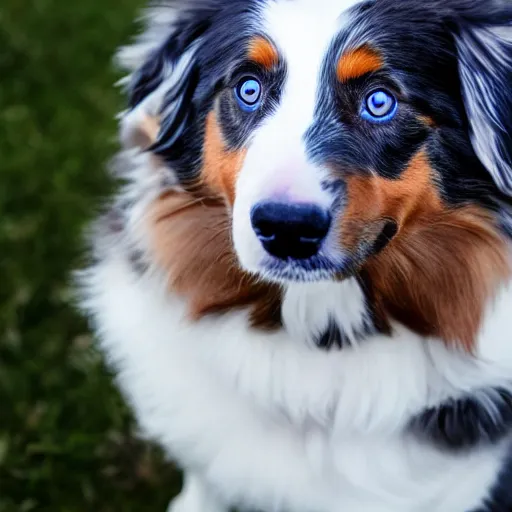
x=303, y=30
x=276, y=165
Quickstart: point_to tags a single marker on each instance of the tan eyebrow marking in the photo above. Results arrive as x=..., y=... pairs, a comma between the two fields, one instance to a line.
x=263, y=52
x=356, y=63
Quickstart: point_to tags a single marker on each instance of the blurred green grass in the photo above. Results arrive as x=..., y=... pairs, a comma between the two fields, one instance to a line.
x=67, y=441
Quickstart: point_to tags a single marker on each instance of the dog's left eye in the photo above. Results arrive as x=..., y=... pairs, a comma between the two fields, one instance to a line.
x=248, y=94
x=379, y=106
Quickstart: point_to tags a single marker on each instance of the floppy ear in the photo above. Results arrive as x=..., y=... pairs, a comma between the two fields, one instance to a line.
x=484, y=46
x=163, y=71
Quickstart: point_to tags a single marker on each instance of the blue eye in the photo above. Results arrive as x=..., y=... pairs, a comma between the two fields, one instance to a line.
x=248, y=94
x=379, y=107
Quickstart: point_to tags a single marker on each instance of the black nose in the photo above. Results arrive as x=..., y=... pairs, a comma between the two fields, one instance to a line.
x=290, y=230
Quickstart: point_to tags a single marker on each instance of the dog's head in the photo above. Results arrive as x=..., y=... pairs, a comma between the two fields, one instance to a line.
x=338, y=135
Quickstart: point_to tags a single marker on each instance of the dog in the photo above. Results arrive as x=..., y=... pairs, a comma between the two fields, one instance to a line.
x=304, y=280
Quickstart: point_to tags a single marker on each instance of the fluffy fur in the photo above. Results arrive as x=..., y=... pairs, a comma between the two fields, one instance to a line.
x=375, y=375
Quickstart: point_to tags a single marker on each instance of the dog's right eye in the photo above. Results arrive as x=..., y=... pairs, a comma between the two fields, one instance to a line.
x=248, y=94
x=379, y=107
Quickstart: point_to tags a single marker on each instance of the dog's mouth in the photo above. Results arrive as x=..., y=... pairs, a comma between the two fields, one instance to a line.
x=316, y=268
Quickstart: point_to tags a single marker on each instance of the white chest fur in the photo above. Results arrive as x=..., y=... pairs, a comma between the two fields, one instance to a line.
x=269, y=422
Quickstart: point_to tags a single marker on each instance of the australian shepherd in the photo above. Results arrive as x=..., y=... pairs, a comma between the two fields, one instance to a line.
x=304, y=282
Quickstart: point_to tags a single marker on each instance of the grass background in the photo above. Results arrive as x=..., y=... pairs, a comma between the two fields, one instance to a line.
x=67, y=442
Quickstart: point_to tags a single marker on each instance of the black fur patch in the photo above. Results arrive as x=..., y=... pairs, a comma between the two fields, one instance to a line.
x=138, y=261
x=458, y=424
x=500, y=497
x=334, y=338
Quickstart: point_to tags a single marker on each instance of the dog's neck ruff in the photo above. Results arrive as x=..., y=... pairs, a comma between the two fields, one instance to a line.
x=392, y=402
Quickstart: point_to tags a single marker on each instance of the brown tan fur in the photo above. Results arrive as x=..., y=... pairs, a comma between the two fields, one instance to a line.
x=358, y=62
x=438, y=275
x=371, y=200
x=190, y=234
x=442, y=267
x=427, y=120
x=220, y=165
x=191, y=240
x=262, y=51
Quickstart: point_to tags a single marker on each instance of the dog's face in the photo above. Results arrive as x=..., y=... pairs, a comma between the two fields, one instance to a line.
x=334, y=129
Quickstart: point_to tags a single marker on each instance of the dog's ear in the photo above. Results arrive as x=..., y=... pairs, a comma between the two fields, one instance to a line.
x=163, y=70
x=484, y=44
